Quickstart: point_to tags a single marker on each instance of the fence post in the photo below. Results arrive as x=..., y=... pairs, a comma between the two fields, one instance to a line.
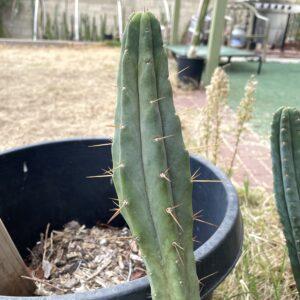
x=176, y=21
x=215, y=39
x=76, y=21
x=35, y=20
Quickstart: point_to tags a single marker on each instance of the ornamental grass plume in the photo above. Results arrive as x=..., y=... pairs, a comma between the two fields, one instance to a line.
x=244, y=114
x=217, y=95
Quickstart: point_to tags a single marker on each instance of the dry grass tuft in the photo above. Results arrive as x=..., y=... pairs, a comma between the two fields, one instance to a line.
x=217, y=94
x=263, y=271
x=244, y=115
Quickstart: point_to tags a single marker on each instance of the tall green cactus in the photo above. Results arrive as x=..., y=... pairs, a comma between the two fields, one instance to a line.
x=150, y=164
x=285, y=142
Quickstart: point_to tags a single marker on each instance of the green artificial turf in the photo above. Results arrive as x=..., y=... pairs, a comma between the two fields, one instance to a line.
x=278, y=85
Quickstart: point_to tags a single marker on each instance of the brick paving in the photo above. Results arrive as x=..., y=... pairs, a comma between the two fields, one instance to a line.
x=253, y=161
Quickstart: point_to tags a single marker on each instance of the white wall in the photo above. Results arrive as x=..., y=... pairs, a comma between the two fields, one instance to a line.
x=20, y=26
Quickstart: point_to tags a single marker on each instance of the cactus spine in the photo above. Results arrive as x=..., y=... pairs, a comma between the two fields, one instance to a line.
x=151, y=166
x=285, y=142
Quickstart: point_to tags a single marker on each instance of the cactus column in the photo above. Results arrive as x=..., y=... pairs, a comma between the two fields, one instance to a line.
x=151, y=165
x=285, y=142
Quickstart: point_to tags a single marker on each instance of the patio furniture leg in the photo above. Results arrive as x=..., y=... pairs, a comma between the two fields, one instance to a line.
x=260, y=61
x=225, y=63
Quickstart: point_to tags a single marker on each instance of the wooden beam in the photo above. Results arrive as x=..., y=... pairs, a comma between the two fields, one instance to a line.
x=201, y=14
x=12, y=267
x=215, y=39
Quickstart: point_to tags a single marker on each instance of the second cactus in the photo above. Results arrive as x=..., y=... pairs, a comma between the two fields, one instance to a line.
x=285, y=142
x=151, y=165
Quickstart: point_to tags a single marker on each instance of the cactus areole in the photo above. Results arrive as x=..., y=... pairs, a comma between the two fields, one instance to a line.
x=151, y=166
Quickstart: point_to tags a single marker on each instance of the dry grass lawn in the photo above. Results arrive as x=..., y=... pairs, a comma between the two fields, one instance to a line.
x=50, y=93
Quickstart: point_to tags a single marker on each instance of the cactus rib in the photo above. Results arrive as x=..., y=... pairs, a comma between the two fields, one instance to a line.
x=153, y=186
x=285, y=144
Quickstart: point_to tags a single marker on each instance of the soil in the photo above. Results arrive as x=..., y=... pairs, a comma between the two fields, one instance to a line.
x=78, y=259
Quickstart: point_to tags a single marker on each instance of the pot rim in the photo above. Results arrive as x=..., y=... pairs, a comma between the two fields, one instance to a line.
x=183, y=56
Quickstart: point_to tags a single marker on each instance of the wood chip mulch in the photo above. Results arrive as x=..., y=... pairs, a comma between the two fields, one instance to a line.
x=79, y=259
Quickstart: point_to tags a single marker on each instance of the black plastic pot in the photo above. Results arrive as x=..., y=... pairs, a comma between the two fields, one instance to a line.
x=47, y=183
x=190, y=69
